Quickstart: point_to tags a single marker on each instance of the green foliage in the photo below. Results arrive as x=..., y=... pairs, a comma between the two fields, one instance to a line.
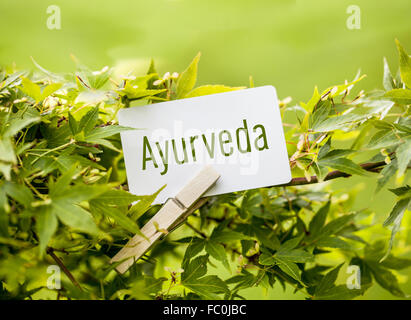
x=188, y=78
x=64, y=196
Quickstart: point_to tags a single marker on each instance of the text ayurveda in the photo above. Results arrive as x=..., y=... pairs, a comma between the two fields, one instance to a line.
x=186, y=149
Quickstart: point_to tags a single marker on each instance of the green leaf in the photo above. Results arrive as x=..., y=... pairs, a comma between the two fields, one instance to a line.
x=59, y=188
x=401, y=96
x=141, y=207
x=360, y=140
x=396, y=263
x=403, y=154
x=46, y=223
x=153, y=285
x=313, y=101
x=5, y=169
x=210, y=89
x=243, y=281
x=340, y=89
x=320, y=114
x=75, y=216
x=289, y=268
x=106, y=143
x=18, y=192
x=340, y=292
x=295, y=255
x=251, y=203
x=152, y=67
x=207, y=287
x=135, y=92
x=388, y=81
x=291, y=243
x=31, y=89
x=336, y=225
x=385, y=139
x=403, y=192
x=386, y=279
x=327, y=282
x=91, y=79
x=117, y=215
x=405, y=65
x=4, y=219
x=386, y=173
x=366, y=280
x=227, y=236
x=80, y=193
x=335, y=154
x=397, y=212
x=268, y=239
x=188, y=78
x=65, y=162
x=266, y=259
x=333, y=123
x=194, y=269
x=19, y=121
x=406, y=128
x=51, y=75
x=320, y=170
x=73, y=124
x=89, y=121
x=325, y=148
x=194, y=248
x=333, y=242
x=118, y=197
x=395, y=219
x=50, y=89
x=56, y=136
x=104, y=132
x=218, y=252
x=345, y=165
x=318, y=221
x=7, y=151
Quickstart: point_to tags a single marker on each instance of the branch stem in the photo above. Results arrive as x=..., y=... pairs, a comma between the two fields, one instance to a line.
x=202, y=234
x=50, y=251
x=370, y=166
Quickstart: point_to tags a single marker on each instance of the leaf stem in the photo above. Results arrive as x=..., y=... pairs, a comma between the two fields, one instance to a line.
x=55, y=149
x=202, y=234
x=41, y=196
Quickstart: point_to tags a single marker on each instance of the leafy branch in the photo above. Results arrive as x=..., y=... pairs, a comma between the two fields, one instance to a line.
x=63, y=188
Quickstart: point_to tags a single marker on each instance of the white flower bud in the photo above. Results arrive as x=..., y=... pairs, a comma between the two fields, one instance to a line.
x=24, y=99
x=50, y=103
x=131, y=78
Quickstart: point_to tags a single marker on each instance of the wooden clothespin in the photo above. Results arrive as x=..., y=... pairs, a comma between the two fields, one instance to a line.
x=174, y=211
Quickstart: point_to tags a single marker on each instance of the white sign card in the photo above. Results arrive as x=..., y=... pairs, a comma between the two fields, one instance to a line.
x=238, y=133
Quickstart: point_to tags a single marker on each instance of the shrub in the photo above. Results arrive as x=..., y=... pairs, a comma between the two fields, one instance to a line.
x=64, y=198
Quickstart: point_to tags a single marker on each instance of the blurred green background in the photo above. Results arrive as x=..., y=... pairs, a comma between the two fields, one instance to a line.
x=291, y=44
